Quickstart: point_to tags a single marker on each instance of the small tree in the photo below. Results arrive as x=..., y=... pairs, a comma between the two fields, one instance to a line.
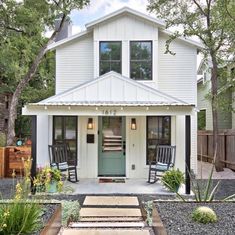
x=211, y=21
x=22, y=45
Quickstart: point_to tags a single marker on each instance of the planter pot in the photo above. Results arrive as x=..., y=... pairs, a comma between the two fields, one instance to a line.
x=52, y=187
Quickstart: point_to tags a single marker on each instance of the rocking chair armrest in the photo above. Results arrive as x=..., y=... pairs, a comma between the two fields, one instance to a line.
x=171, y=165
x=152, y=163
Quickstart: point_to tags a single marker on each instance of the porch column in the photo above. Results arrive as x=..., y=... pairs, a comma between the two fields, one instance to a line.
x=34, y=146
x=187, y=153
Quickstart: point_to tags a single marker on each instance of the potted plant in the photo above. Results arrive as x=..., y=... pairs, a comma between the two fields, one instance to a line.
x=173, y=179
x=48, y=179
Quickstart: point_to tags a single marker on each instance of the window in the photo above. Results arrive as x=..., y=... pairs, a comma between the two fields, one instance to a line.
x=158, y=133
x=201, y=118
x=141, y=60
x=110, y=57
x=65, y=131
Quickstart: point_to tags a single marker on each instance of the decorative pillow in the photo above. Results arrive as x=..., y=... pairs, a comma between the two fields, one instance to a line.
x=162, y=166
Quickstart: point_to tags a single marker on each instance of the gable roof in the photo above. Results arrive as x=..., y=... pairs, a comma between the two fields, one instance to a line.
x=112, y=89
x=128, y=11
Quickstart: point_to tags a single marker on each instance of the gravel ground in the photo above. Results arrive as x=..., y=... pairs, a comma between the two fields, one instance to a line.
x=176, y=217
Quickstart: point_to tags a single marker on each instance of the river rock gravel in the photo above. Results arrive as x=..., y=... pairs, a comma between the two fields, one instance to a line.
x=177, y=218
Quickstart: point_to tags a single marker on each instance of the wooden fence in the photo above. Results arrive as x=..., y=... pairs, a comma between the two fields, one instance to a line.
x=11, y=160
x=225, y=148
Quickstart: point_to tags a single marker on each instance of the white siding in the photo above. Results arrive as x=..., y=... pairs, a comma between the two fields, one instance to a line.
x=74, y=63
x=177, y=73
x=204, y=104
x=126, y=29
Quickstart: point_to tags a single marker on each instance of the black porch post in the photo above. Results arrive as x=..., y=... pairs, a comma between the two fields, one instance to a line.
x=34, y=146
x=187, y=153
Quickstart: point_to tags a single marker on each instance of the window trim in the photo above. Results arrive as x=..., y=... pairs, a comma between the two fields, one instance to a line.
x=151, y=41
x=63, y=131
x=111, y=60
x=147, y=125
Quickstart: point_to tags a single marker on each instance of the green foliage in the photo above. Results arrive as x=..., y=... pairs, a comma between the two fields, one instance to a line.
x=172, y=179
x=201, y=120
x=70, y=212
x=2, y=139
x=204, y=215
x=19, y=217
x=45, y=177
x=148, y=206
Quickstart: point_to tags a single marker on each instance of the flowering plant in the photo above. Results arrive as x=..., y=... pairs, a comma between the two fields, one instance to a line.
x=46, y=176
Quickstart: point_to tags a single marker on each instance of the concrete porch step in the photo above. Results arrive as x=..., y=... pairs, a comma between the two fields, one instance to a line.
x=107, y=225
x=109, y=219
x=111, y=201
x=106, y=212
x=105, y=232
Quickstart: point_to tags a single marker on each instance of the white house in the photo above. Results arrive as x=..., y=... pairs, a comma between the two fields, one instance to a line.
x=118, y=95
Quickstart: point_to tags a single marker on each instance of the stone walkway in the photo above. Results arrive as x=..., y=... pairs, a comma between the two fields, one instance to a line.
x=109, y=215
x=204, y=169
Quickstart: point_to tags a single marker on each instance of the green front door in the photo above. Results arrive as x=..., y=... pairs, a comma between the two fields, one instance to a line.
x=111, y=160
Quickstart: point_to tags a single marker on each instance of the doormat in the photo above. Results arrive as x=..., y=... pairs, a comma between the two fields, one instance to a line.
x=105, y=180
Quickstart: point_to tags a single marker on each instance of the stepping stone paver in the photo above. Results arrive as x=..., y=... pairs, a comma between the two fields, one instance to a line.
x=111, y=201
x=116, y=212
x=118, y=219
x=105, y=232
x=107, y=225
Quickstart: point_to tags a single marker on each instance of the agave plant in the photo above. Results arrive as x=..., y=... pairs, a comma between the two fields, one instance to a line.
x=203, y=195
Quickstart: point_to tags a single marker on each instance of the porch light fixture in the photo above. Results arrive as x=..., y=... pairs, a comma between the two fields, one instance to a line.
x=90, y=124
x=133, y=124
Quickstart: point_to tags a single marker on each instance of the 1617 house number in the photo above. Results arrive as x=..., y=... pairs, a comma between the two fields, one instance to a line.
x=112, y=112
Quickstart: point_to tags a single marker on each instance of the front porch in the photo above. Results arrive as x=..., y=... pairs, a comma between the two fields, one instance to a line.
x=96, y=120
x=131, y=186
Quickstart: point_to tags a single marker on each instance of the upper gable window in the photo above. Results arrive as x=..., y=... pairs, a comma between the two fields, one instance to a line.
x=141, y=60
x=110, y=57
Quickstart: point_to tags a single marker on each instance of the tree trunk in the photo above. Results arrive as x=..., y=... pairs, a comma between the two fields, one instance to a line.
x=24, y=82
x=214, y=103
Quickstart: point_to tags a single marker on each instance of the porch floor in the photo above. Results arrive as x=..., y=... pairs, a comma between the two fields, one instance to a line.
x=131, y=186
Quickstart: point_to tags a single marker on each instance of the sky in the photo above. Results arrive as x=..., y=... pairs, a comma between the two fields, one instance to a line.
x=99, y=8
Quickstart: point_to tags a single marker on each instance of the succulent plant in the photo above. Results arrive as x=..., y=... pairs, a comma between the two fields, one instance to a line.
x=204, y=214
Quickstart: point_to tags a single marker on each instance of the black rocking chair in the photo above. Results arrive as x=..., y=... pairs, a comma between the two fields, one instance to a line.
x=165, y=159
x=59, y=155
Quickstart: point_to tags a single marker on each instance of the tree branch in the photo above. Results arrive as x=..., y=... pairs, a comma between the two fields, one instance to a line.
x=226, y=7
x=199, y=7
x=14, y=29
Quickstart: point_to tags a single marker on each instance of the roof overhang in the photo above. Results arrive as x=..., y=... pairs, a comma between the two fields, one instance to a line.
x=109, y=91
x=123, y=11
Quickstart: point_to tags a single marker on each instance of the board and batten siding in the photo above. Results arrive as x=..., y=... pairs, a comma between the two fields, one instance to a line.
x=126, y=29
x=74, y=63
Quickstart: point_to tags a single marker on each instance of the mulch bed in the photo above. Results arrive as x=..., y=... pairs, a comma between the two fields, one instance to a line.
x=176, y=217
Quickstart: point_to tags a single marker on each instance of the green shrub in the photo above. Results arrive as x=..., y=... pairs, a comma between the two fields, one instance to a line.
x=19, y=217
x=148, y=206
x=173, y=179
x=3, y=139
x=70, y=212
x=204, y=215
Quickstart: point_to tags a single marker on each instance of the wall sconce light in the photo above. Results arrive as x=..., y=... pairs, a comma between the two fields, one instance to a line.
x=90, y=124
x=133, y=124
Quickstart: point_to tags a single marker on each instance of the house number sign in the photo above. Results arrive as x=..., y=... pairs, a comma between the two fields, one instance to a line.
x=111, y=112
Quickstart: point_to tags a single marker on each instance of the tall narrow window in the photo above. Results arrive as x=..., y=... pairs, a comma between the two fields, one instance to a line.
x=158, y=133
x=110, y=57
x=141, y=60
x=65, y=131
